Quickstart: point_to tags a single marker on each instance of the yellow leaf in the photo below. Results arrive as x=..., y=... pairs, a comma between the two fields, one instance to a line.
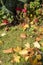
x=16, y=58
x=41, y=29
x=23, y=52
x=41, y=44
x=34, y=62
x=32, y=23
x=1, y=42
x=38, y=57
x=31, y=15
x=25, y=27
x=26, y=58
x=17, y=49
x=27, y=45
x=36, y=44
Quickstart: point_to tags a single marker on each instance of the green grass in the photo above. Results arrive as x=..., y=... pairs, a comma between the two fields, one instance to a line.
x=13, y=39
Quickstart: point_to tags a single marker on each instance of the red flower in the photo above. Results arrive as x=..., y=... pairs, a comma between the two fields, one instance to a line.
x=18, y=9
x=24, y=10
x=5, y=21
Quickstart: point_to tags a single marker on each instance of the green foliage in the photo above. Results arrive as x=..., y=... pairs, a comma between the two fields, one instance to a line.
x=34, y=4
x=5, y=14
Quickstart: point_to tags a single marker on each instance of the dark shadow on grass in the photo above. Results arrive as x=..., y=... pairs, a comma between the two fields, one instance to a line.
x=12, y=4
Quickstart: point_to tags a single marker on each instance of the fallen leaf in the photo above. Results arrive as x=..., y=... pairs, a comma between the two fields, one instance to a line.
x=6, y=29
x=10, y=50
x=34, y=62
x=41, y=44
x=0, y=62
x=23, y=35
x=38, y=39
x=38, y=57
x=27, y=45
x=26, y=58
x=23, y=52
x=16, y=58
x=32, y=23
x=25, y=27
x=3, y=34
x=17, y=49
x=36, y=44
x=30, y=52
x=1, y=42
x=41, y=29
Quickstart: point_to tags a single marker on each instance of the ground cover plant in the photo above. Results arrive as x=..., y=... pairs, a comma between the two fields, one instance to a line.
x=21, y=35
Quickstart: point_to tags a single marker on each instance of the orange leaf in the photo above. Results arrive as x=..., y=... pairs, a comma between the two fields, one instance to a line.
x=8, y=50
x=23, y=35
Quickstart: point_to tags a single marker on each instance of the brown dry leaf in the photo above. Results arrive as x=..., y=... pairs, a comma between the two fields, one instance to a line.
x=30, y=49
x=17, y=49
x=10, y=50
x=23, y=35
x=16, y=58
x=38, y=39
x=30, y=52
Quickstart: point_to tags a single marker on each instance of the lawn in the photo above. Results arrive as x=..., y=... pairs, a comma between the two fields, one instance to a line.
x=13, y=39
x=21, y=33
